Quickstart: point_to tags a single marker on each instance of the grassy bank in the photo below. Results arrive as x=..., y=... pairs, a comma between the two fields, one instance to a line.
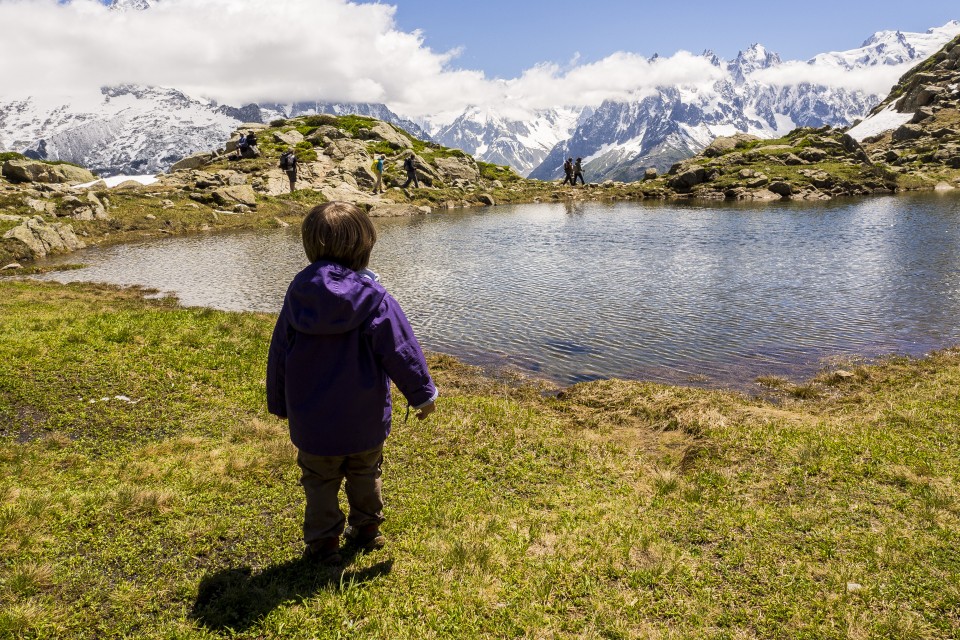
x=145, y=492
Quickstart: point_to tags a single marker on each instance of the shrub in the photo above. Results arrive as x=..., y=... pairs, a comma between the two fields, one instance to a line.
x=278, y=123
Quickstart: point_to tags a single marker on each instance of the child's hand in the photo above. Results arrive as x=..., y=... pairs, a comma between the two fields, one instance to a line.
x=426, y=410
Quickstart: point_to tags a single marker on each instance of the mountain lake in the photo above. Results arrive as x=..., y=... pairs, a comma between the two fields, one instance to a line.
x=712, y=295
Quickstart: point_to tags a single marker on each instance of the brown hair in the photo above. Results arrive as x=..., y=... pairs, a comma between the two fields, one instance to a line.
x=339, y=232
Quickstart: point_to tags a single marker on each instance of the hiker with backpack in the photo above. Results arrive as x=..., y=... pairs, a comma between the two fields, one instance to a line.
x=578, y=171
x=568, y=172
x=410, y=166
x=378, y=170
x=288, y=162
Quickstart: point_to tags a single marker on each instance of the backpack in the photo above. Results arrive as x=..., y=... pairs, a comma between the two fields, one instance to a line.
x=288, y=161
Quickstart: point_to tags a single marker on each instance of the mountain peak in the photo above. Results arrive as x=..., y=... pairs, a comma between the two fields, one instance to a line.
x=131, y=5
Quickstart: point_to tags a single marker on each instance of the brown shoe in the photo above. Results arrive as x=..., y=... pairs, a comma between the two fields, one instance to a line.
x=367, y=537
x=326, y=552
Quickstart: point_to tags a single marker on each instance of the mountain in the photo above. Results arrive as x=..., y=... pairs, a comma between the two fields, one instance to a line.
x=131, y=129
x=621, y=139
x=500, y=139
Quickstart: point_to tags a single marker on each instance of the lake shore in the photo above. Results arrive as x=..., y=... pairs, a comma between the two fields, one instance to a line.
x=146, y=492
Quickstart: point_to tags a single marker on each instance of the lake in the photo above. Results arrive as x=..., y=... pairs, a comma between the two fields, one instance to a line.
x=713, y=295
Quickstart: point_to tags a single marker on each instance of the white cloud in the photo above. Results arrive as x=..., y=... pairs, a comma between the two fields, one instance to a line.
x=241, y=51
x=872, y=80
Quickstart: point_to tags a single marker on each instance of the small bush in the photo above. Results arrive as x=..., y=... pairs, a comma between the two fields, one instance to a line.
x=11, y=155
x=321, y=120
x=278, y=123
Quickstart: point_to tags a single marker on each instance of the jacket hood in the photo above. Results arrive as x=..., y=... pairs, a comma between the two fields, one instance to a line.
x=327, y=298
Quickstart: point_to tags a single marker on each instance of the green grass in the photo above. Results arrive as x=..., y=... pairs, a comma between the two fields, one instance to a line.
x=614, y=510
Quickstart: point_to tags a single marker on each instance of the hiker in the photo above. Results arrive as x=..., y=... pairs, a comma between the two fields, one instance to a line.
x=578, y=172
x=410, y=166
x=339, y=342
x=248, y=146
x=378, y=169
x=568, y=172
x=288, y=162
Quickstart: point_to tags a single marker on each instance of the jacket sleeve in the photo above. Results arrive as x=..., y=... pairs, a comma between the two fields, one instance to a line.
x=399, y=353
x=277, y=368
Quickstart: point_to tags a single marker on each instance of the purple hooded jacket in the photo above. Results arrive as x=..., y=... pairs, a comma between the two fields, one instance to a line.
x=339, y=340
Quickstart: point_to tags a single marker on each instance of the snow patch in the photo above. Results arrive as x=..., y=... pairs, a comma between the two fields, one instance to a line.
x=886, y=120
x=113, y=181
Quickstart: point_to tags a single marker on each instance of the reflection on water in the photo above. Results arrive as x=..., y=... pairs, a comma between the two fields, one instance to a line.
x=662, y=292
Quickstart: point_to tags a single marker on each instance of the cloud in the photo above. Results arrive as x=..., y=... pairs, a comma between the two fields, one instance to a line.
x=241, y=51
x=875, y=80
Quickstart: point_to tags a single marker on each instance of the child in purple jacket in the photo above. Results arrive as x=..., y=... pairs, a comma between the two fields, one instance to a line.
x=339, y=341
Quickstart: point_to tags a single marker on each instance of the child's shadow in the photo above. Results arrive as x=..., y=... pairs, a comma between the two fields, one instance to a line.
x=235, y=599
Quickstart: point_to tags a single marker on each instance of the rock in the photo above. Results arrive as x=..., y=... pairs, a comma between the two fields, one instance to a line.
x=944, y=186
x=40, y=238
x=781, y=188
x=167, y=204
x=650, y=173
x=924, y=113
x=358, y=167
x=891, y=156
x=458, y=168
x=195, y=161
x=384, y=210
x=231, y=177
x=97, y=207
x=853, y=587
x=928, y=95
x=813, y=154
x=129, y=185
x=150, y=216
x=758, y=181
x=83, y=214
x=486, y=199
x=12, y=265
x=763, y=195
x=908, y=132
x=689, y=179
x=743, y=174
x=281, y=223
x=340, y=149
x=240, y=194
x=288, y=138
x=386, y=132
x=37, y=171
x=726, y=144
x=792, y=159
x=41, y=206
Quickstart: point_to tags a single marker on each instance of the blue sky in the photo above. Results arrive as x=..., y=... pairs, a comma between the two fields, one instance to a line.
x=505, y=37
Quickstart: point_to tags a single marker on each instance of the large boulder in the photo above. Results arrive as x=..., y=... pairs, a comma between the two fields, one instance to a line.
x=288, y=138
x=387, y=133
x=340, y=149
x=908, y=132
x=725, y=144
x=358, y=165
x=40, y=238
x=239, y=194
x=458, y=168
x=195, y=161
x=38, y=171
x=390, y=210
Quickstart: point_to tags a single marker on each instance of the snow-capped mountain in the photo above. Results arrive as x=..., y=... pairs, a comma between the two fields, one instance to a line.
x=621, y=139
x=521, y=143
x=137, y=130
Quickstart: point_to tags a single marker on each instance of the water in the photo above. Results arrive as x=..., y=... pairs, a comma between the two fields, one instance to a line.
x=714, y=295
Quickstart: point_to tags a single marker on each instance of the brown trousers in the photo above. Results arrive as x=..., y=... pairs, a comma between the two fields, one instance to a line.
x=321, y=478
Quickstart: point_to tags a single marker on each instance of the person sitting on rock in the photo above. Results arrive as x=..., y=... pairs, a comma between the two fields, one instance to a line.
x=248, y=146
x=410, y=166
x=288, y=162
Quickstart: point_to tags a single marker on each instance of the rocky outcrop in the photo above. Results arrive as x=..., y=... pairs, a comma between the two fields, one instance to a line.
x=40, y=238
x=725, y=144
x=195, y=161
x=44, y=172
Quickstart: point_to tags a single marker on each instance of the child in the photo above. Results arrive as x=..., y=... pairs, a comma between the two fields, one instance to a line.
x=339, y=340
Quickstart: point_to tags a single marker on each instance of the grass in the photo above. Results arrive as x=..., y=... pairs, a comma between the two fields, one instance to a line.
x=610, y=510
